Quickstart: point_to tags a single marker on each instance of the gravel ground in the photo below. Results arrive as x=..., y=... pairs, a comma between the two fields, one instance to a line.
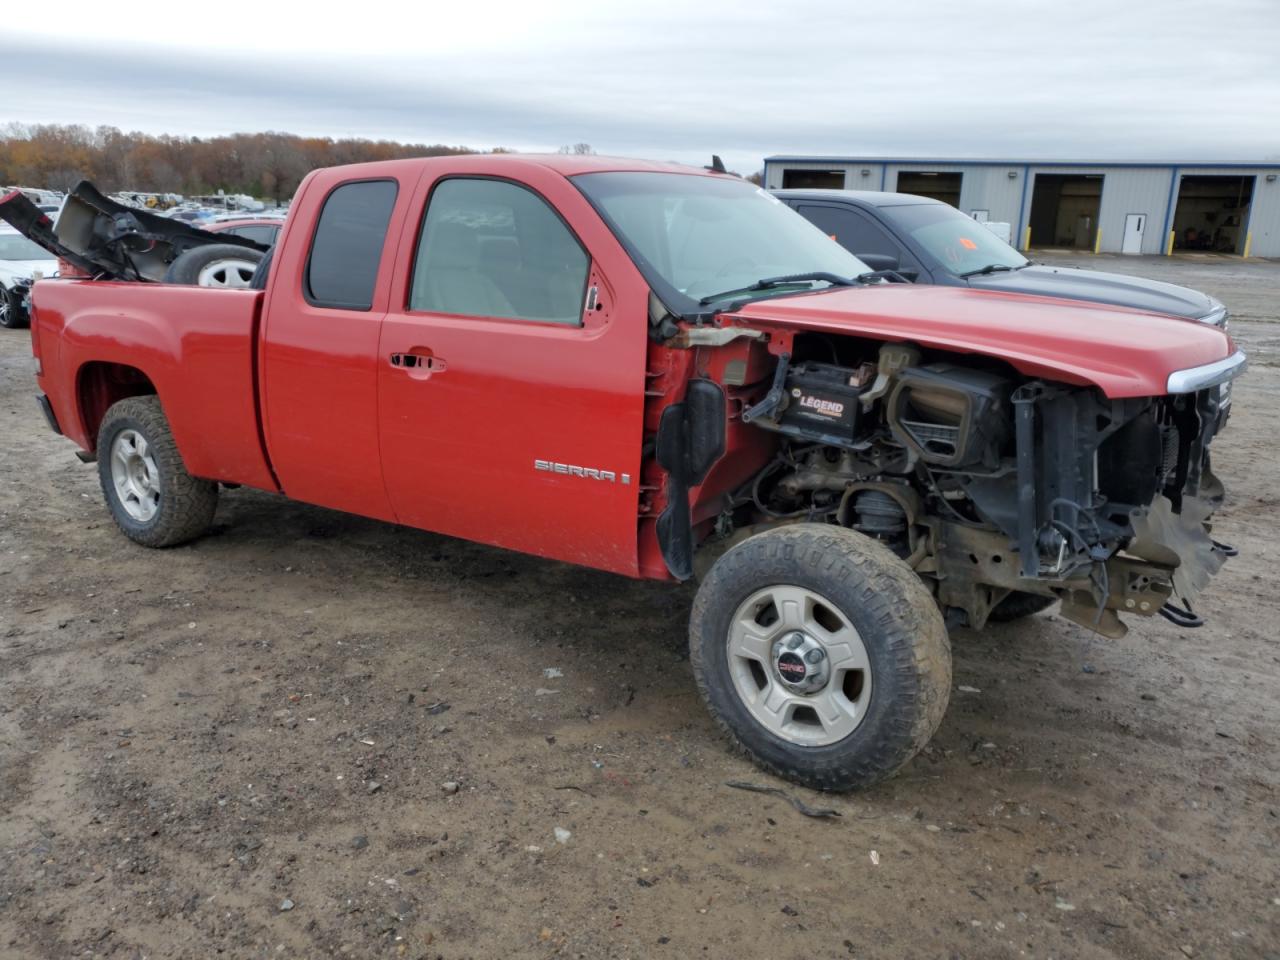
x=310, y=734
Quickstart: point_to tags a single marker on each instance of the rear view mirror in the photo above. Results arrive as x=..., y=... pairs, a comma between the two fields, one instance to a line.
x=878, y=261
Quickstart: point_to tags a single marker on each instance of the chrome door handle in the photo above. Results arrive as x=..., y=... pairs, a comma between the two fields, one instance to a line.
x=418, y=363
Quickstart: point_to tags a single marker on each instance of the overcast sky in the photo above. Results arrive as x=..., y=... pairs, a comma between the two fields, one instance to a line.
x=1138, y=79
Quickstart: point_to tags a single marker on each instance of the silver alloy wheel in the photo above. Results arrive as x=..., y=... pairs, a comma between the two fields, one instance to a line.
x=228, y=272
x=799, y=666
x=6, y=305
x=135, y=475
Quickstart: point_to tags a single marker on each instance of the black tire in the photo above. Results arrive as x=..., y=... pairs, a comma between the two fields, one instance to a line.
x=1018, y=605
x=239, y=264
x=12, y=316
x=900, y=627
x=186, y=504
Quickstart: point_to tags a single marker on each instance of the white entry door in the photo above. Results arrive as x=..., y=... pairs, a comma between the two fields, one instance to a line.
x=1134, y=225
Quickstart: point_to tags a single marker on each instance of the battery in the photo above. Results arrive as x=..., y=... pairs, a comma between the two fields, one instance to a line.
x=822, y=402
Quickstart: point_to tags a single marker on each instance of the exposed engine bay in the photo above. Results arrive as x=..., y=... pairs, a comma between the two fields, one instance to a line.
x=988, y=483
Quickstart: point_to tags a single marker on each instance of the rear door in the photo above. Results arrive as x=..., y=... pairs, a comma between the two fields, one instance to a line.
x=511, y=371
x=319, y=357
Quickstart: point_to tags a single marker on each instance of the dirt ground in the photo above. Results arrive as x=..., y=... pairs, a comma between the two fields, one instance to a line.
x=240, y=748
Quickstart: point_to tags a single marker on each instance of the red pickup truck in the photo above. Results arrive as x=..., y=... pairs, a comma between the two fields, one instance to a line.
x=661, y=371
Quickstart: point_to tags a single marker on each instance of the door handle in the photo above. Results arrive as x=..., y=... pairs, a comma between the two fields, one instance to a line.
x=419, y=364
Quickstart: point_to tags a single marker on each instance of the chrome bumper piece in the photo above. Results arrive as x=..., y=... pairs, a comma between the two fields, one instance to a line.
x=1194, y=379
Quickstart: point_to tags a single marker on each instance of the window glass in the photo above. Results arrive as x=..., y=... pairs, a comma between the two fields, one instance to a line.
x=853, y=231
x=13, y=246
x=258, y=233
x=703, y=240
x=958, y=243
x=348, y=243
x=493, y=249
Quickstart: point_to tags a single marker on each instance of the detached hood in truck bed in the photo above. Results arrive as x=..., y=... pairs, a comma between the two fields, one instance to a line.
x=1126, y=353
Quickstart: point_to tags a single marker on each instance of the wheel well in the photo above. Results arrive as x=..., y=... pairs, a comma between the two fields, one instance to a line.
x=100, y=384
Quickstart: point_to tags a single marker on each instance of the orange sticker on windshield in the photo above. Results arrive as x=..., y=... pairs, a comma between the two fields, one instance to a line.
x=968, y=244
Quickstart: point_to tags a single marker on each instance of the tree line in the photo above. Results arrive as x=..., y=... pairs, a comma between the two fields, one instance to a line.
x=268, y=165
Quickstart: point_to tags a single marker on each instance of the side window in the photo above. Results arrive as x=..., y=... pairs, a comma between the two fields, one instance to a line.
x=851, y=230
x=257, y=233
x=490, y=248
x=347, y=246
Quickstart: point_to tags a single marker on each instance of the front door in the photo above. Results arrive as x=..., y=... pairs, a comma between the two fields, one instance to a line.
x=511, y=373
x=1134, y=224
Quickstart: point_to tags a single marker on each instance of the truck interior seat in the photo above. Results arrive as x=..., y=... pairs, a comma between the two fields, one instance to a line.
x=448, y=278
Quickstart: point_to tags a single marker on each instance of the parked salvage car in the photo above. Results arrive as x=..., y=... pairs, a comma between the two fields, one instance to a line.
x=659, y=371
x=932, y=242
x=20, y=262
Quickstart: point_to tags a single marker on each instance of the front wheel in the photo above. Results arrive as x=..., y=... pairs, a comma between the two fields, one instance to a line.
x=821, y=654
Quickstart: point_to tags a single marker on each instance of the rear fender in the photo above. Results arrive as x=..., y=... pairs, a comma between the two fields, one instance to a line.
x=193, y=347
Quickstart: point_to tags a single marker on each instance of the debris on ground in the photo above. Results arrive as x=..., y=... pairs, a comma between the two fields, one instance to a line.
x=799, y=804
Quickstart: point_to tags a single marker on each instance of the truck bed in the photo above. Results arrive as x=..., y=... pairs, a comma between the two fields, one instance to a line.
x=196, y=346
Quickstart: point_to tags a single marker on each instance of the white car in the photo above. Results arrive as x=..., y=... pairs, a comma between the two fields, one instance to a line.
x=20, y=261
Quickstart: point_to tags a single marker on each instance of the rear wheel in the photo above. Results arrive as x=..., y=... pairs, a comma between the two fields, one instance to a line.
x=152, y=498
x=217, y=265
x=12, y=315
x=821, y=654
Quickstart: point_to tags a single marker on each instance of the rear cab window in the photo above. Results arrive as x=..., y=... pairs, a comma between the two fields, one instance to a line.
x=346, y=249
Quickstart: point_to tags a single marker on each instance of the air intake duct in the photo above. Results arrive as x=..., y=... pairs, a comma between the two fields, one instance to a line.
x=951, y=416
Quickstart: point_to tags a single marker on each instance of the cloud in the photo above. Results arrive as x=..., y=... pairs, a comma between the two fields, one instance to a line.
x=988, y=78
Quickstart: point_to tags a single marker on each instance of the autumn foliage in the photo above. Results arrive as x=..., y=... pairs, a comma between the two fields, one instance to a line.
x=268, y=165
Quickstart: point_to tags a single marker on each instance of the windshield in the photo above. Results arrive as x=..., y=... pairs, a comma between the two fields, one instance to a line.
x=696, y=237
x=15, y=247
x=958, y=243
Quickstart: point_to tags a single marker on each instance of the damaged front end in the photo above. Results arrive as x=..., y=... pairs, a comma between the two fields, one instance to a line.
x=993, y=486
x=1107, y=504
x=106, y=240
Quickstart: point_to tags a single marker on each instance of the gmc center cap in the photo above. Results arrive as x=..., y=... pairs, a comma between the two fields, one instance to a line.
x=800, y=662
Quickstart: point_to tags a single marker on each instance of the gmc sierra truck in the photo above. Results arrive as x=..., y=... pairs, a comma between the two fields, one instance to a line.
x=665, y=372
